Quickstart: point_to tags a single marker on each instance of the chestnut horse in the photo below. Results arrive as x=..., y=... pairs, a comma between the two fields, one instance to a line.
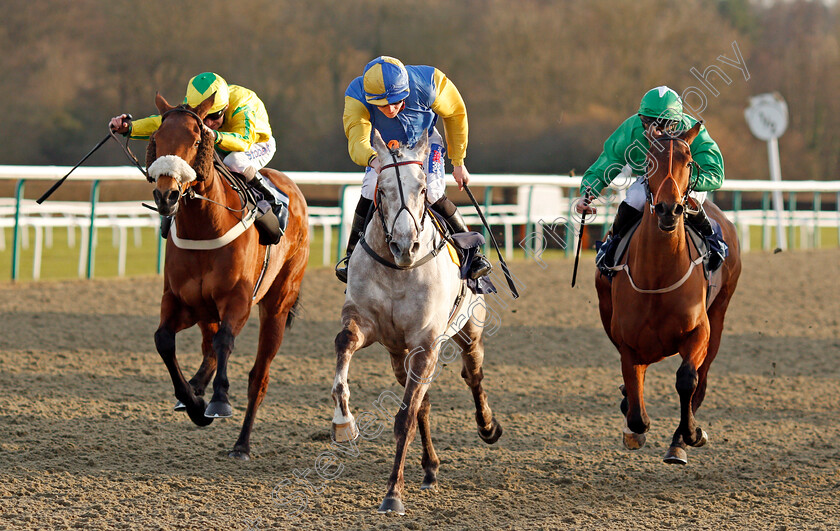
x=213, y=277
x=656, y=306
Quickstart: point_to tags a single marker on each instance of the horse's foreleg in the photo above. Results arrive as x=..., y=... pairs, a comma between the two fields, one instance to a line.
x=351, y=338
x=272, y=327
x=173, y=319
x=421, y=367
x=208, y=363
x=636, y=419
x=430, y=461
x=472, y=355
x=234, y=315
x=693, y=351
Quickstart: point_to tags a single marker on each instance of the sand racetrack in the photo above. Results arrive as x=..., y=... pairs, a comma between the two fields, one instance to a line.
x=88, y=438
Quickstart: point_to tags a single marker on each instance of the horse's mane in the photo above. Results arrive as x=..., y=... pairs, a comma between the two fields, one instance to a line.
x=203, y=164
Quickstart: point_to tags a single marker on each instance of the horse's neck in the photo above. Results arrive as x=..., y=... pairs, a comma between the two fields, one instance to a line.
x=656, y=255
x=199, y=219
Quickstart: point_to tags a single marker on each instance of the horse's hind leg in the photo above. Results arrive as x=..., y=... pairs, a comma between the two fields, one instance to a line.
x=352, y=337
x=272, y=327
x=471, y=343
x=175, y=318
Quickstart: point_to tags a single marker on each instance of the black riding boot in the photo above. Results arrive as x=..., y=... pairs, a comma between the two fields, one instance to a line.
x=624, y=219
x=280, y=210
x=480, y=265
x=356, y=231
x=700, y=221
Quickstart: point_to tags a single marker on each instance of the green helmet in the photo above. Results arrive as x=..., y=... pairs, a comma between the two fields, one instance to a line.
x=661, y=103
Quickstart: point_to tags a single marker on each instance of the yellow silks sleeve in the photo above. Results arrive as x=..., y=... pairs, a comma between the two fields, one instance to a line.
x=357, y=128
x=143, y=128
x=449, y=105
x=246, y=121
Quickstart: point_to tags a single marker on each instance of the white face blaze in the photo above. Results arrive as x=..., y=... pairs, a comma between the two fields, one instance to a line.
x=174, y=166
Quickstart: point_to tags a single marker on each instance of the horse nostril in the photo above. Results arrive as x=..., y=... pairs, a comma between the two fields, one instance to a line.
x=678, y=211
x=395, y=249
x=659, y=208
x=415, y=247
x=171, y=197
x=157, y=195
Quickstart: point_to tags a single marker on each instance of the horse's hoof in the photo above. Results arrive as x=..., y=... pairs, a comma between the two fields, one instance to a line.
x=634, y=441
x=492, y=435
x=218, y=410
x=342, y=433
x=429, y=482
x=676, y=456
x=704, y=438
x=392, y=505
x=240, y=455
x=197, y=414
x=180, y=406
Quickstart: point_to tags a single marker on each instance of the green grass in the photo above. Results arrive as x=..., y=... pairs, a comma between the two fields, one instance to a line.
x=61, y=261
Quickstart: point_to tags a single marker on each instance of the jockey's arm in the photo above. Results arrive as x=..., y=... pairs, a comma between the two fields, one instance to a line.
x=143, y=128
x=449, y=105
x=357, y=128
x=706, y=154
x=239, y=131
x=611, y=160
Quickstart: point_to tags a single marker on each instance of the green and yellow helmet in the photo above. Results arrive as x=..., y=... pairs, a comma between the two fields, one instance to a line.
x=203, y=86
x=661, y=103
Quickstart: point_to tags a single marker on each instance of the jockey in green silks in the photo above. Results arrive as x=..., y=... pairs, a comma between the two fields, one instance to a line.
x=625, y=154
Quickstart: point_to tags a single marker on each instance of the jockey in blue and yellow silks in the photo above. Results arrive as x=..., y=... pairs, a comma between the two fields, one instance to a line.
x=401, y=102
x=239, y=122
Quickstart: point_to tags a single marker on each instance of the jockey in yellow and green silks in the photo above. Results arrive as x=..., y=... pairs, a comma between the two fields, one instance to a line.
x=402, y=102
x=625, y=153
x=239, y=122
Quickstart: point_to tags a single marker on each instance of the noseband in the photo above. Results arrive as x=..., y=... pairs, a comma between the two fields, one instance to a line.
x=653, y=199
x=396, y=165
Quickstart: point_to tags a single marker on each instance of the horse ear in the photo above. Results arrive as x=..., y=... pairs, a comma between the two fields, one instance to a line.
x=421, y=149
x=161, y=103
x=692, y=133
x=379, y=145
x=205, y=105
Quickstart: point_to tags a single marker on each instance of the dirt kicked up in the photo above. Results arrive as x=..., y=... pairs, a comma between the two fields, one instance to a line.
x=88, y=438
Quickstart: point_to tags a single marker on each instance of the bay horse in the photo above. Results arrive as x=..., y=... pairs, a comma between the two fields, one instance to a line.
x=405, y=293
x=212, y=277
x=656, y=306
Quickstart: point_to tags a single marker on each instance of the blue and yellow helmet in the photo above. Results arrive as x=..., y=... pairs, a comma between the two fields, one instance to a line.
x=385, y=81
x=203, y=86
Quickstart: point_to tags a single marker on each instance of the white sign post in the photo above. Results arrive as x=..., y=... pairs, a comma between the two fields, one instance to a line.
x=767, y=117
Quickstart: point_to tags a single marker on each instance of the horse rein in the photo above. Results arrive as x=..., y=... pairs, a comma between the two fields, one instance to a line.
x=652, y=199
x=396, y=165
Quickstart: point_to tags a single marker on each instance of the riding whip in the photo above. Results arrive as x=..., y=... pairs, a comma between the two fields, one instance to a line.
x=110, y=134
x=580, y=238
x=495, y=245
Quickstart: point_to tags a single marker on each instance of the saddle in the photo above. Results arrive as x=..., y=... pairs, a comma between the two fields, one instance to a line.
x=703, y=246
x=466, y=245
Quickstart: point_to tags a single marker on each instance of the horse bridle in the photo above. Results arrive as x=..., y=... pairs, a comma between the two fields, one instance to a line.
x=396, y=165
x=652, y=199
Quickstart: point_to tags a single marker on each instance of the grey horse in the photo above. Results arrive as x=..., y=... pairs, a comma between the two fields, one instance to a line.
x=404, y=292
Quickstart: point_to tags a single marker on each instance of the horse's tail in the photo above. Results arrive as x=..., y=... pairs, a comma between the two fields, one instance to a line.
x=294, y=312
